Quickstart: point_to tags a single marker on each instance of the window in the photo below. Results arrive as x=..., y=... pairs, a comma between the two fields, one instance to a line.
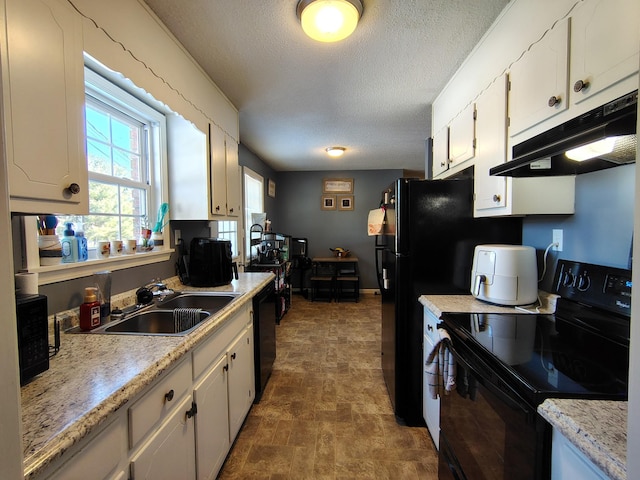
x=228, y=230
x=253, y=203
x=123, y=151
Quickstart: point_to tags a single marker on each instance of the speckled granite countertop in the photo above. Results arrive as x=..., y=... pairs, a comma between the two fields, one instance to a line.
x=467, y=303
x=94, y=375
x=598, y=428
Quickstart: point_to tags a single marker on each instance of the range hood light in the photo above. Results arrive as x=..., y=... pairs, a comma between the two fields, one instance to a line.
x=592, y=150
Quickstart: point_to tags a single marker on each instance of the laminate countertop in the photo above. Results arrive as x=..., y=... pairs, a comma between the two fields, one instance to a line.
x=439, y=304
x=94, y=375
x=598, y=428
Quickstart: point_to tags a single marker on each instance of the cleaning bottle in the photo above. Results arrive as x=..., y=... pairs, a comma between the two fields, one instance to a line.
x=83, y=248
x=90, y=309
x=69, y=245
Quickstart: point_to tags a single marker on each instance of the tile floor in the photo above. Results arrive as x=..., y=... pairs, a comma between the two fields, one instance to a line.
x=325, y=413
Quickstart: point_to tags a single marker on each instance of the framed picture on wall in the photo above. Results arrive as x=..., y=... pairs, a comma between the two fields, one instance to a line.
x=328, y=202
x=271, y=190
x=345, y=202
x=337, y=185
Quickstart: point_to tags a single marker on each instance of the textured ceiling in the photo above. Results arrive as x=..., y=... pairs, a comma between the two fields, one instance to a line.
x=370, y=93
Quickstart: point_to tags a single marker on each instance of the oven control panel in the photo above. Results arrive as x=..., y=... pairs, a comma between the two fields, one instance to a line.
x=595, y=285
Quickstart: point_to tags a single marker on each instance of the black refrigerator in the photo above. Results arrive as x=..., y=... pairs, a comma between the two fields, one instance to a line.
x=427, y=248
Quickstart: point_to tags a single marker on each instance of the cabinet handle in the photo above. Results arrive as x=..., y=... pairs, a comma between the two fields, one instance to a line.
x=233, y=356
x=553, y=101
x=217, y=208
x=193, y=411
x=580, y=85
x=74, y=188
x=226, y=367
x=430, y=328
x=496, y=198
x=442, y=164
x=231, y=210
x=169, y=395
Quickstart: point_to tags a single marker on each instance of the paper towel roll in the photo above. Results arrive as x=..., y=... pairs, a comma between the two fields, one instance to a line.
x=27, y=283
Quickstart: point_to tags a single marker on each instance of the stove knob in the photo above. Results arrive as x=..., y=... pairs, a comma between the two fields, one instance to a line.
x=568, y=279
x=584, y=282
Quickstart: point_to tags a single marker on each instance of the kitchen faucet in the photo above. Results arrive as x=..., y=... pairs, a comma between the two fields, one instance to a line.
x=146, y=293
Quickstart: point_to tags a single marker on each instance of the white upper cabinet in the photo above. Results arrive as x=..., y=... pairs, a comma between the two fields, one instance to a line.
x=503, y=196
x=462, y=136
x=225, y=176
x=43, y=94
x=605, y=39
x=491, y=129
x=440, y=152
x=539, y=80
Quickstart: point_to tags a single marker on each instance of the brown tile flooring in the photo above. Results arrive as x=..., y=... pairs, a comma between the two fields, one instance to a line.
x=325, y=413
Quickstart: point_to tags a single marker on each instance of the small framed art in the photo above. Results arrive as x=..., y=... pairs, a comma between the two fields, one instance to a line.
x=271, y=191
x=328, y=202
x=345, y=202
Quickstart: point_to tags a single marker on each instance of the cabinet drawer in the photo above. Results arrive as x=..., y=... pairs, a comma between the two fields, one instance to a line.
x=158, y=402
x=101, y=456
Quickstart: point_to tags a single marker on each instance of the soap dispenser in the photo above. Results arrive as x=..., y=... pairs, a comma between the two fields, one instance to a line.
x=69, y=244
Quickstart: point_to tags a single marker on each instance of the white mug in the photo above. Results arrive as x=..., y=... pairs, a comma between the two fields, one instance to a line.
x=104, y=249
x=132, y=246
x=116, y=247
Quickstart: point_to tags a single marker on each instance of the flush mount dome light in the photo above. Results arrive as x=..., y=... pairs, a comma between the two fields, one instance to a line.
x=329, y=20
x=335, y=151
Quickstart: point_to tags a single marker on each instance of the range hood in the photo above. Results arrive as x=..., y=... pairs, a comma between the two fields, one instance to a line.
x=544, y=154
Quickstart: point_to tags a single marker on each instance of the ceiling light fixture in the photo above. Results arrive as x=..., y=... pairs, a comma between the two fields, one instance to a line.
x=335, y=151
x=329, y=20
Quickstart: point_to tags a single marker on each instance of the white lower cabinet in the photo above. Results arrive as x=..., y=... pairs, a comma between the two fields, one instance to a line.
x=170, y=451
x=430, y=405
x=102, y=456
x=241, y=380
x=183, y=425
x=569, y=462
x=212, y=421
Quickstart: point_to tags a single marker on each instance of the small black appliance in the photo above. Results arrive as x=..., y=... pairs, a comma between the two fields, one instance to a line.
x=33, y=335
x=211, y=263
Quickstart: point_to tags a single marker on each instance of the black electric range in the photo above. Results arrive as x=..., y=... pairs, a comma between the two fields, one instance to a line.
x=510, y=363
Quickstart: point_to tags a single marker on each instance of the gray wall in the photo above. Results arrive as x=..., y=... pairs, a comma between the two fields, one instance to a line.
x=601, y=229
x=299, y=198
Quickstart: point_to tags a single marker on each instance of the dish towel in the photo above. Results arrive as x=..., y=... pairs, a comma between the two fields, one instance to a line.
x=375, y=222
x=440, y=367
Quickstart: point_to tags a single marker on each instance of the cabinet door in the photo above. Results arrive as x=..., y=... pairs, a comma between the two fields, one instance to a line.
x=491, y=131
x=169, y=453
x=44, y=107
x=234, y=188
x=241, y=380
x=604, y=46
x=440, y=151
x=462, y=136
x=539, y=80
x=218, y=171
x=212, y=420
x=430, y=406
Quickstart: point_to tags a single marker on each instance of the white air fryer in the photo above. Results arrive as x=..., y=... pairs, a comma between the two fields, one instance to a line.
x=505, y=274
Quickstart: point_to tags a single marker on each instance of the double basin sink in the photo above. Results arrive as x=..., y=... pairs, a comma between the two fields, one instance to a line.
x=162, y=317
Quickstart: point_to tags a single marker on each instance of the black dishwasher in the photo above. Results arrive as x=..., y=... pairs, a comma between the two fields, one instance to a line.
x=264, y=328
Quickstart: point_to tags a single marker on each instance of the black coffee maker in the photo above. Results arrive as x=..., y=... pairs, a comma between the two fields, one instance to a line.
x=210, y=262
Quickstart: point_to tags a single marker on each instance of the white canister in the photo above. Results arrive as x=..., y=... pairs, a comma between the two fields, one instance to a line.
x=50, y=249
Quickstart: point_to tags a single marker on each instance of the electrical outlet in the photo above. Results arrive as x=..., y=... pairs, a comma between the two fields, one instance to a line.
x=177, y=236
x=557, y=239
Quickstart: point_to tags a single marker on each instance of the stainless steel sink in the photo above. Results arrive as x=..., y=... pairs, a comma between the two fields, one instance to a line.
x=210, y=301
x=155, y=322
x=158, y=318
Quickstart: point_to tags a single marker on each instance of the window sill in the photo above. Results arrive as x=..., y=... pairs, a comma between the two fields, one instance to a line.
x=69, y=271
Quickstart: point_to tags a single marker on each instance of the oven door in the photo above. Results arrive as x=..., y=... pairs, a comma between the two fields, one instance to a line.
x=487, y=431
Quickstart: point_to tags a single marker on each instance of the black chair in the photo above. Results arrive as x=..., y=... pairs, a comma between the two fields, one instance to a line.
x=322, y=281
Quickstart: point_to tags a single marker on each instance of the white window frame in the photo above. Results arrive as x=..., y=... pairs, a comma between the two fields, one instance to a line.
x=111, y=85
x=247, y=172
